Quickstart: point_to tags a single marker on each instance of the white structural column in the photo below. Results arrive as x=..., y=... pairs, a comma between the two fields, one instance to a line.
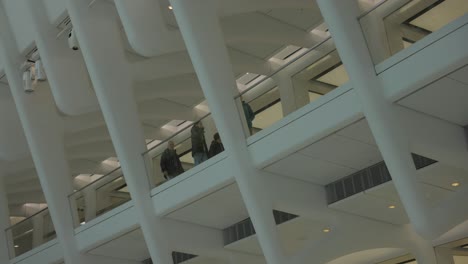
x=421, y=249
x=46, y=145
x=5, y=241
x=146, y=28
x=341, y=17
x=101, y=44
x=426, y=254
x=45, y=142
x=287, y=92
x=199, y=24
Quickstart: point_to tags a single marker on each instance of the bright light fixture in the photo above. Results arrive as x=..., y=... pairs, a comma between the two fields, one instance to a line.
x=82, y=223
x=391, y=206
x=455, y=184
x=170, y=7
x=326, y=230
x=16, y=246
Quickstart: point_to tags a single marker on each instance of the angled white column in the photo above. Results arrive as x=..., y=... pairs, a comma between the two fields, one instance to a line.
x=199, y=24
x=341, y=17
x=101, y=44
x=426, y=256
x=147, y=31
x=65, y=69
x=287, y=92
x=45, y=142
x=5, y=241
x=421, y=249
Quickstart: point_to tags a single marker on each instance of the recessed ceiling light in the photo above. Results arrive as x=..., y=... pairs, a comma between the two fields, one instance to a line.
x=455, y=184
x=16, y=246
x=170, y=7
x=326, y=230
x=391, y=206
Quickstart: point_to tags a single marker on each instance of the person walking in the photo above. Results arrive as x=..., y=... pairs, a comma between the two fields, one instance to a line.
x=170, y=162
x=199, y=147
x=249, y=115
x=216, y=146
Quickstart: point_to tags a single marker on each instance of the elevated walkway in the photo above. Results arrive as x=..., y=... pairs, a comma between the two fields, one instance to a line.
x=318, y=144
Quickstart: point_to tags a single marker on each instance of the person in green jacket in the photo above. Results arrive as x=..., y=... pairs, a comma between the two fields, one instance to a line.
x=199, y=147
x=249, y=115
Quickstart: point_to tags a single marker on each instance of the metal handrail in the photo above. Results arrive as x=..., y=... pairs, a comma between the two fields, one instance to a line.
x=243, y=92
x=372, y=9
x=96, y=181
x=175, y=134
x=283, y=67
x=208, y=114
x=118, y=168
x=28, y=218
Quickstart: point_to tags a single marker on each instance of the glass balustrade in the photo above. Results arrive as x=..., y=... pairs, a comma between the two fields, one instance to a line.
x=30, y=233
x=99, y=197
x=395, y=25
x=303, y=79
x=110, y=190
x=157, y=160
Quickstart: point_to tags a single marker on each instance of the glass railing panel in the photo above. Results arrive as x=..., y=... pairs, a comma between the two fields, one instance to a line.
x=48, y=227
x=163, y=164
x=297, y=83
x=324, y=73
x=111, y=194
x=268, y=111
x=184, y=150
x=397, y=24
x=99, y=197
x=21, y=237
x=30, y=233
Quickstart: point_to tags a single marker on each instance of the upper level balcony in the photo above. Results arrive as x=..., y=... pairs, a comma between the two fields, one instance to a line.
x=301, y=140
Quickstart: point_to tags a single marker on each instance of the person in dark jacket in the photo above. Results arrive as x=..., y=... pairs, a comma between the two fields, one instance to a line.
x=199, y=147
x=249, y=115
x=216, y=146
x=170, y=162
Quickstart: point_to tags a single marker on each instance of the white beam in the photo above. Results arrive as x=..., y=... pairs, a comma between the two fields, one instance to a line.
x=195, y=239
x=202, y=34
x=380, y=113
x=100, y=39
x=146, y=29
x=45, y=142
x=435, y=138
x=65, y=68
x=445, y=255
